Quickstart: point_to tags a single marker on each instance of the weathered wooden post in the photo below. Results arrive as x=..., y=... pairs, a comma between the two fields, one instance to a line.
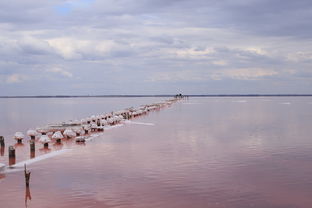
x=12, y=158
x=27, y=176
x=2, y=145
x=2, y=141
x=32, y=148
x=1, y=150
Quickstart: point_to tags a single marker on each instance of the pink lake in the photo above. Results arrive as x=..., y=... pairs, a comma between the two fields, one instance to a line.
x=210, y=152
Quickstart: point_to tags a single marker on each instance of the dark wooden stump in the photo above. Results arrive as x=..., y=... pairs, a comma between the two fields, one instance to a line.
x=1, y=150
x=2, y=141
x=11, y=151
x=32, y=146
x=12, y=158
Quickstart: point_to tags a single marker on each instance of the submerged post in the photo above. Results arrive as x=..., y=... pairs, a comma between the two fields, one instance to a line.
x=11, y=151
x=2, y=141
x=2, y=145
x=1, y=150
x=27, y=175
x=32, y=148
x=11, y=155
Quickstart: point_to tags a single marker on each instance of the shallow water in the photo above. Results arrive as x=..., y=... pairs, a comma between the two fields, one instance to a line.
x=202, y=152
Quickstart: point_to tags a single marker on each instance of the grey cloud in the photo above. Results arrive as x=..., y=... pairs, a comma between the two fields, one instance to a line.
x=154, y=46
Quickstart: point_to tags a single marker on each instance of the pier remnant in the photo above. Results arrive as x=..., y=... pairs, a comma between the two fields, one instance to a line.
x=1, y=151
x=2, y=141
x=12, y=157
x=2, y=144
x=32, y=148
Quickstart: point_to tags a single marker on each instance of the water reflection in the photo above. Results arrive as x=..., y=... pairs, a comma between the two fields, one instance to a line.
x=58, y=146
x=2, y=150
x=45, y=150
x=27, y=196
x=19, y=145
x=12, y=160
x=218, y=154
x=32, y=154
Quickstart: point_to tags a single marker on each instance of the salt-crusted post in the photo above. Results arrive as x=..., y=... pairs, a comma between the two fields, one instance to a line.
x=27, y=176
x=11, y=155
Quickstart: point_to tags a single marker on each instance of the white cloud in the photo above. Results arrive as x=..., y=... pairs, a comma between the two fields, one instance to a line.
x=60, y=71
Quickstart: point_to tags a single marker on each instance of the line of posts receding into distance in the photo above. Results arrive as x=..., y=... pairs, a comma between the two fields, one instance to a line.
x=78, y=130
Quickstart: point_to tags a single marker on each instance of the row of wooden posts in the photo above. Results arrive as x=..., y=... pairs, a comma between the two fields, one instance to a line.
x=12, y=157
x=11, y=150
x=12, y=153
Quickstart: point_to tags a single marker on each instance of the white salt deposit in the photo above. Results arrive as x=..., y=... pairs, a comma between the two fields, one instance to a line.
x=44, y=139
x=19, y=135
x=31, y=132
x=57, y=135
x=69, y=133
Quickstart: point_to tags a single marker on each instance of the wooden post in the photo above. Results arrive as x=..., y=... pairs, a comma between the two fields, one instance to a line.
x=32, y=145
x=11, y=151
x=2, y=145
x=12, y=158
x=32, y=148
x=27, y=176
x=46, y=145
x=2, y=141
x=1, y=150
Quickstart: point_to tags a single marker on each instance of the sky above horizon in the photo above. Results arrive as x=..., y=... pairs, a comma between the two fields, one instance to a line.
x=93, y=47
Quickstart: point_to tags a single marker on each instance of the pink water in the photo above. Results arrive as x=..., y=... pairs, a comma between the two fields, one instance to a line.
x=203, y=152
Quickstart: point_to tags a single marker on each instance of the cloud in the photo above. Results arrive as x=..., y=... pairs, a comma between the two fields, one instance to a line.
x=60, y=71
x=16, y=78
x=151, y=45
x=244, y=74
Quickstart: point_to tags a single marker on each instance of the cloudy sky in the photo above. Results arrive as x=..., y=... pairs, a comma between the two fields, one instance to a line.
x=89, y=47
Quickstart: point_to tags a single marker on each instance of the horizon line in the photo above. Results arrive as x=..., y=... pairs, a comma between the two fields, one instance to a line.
x=158, y=95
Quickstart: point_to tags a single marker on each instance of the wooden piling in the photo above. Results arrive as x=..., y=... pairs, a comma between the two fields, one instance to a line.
x=1, y=151
x=2, y=141
x=11, y=151
x=27, y=176
x=32, y=145
x=12, y=158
